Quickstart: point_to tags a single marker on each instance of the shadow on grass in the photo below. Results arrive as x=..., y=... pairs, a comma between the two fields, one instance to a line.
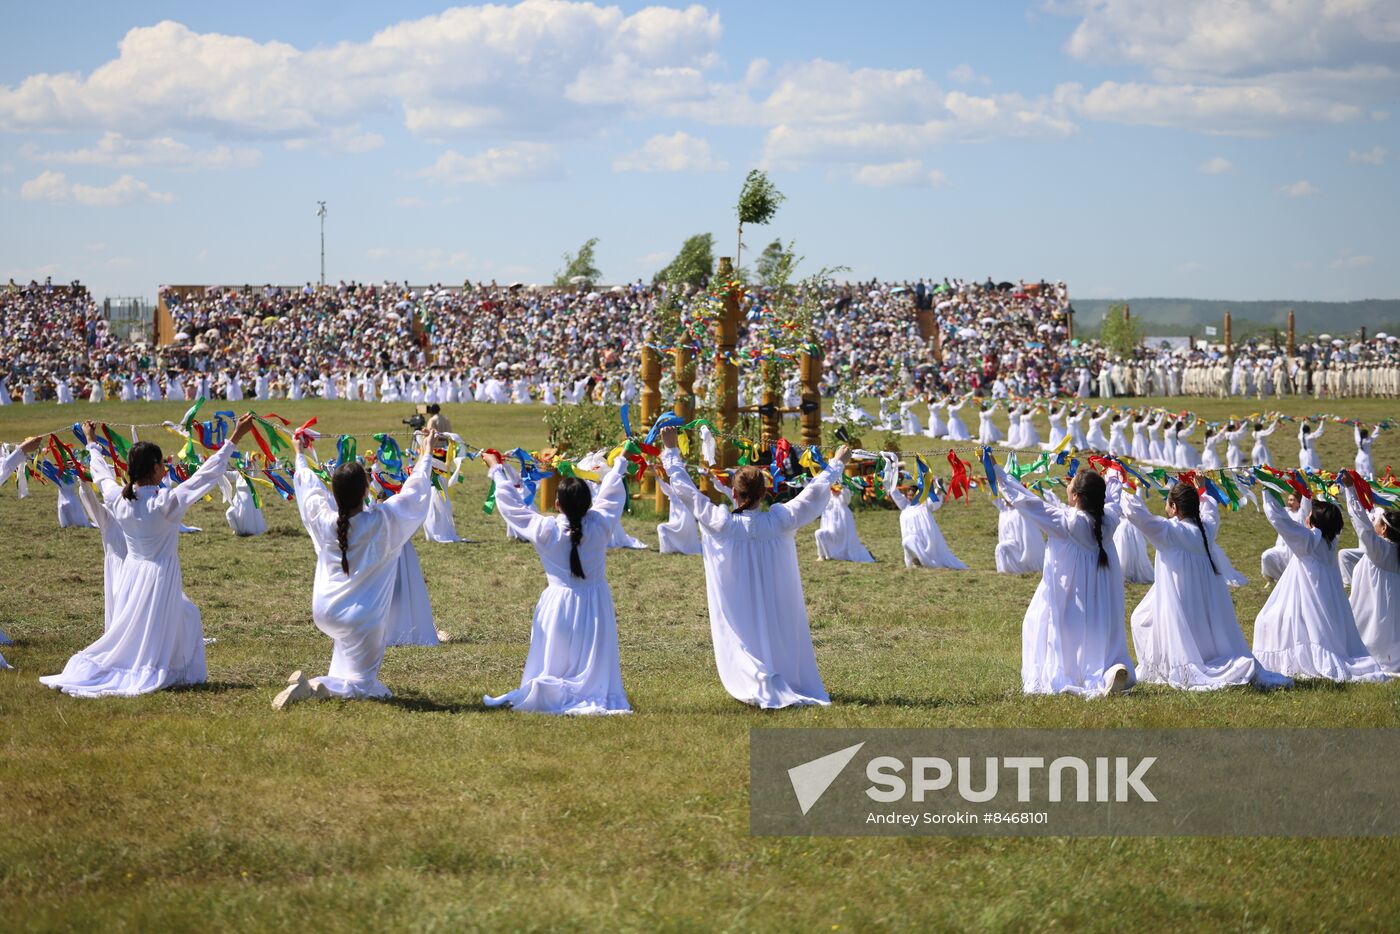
x=420, y=704
x=211, y=687
x=889, y=700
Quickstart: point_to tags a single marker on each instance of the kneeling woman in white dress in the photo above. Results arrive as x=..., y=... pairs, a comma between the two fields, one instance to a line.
x=244, y=515
x=679, y=534
x=572, y=666
x=1072, y=638
x=155, y=640
x=1306, y=628
x=358, y=548
x=923, y=541
x=1375, y=580
x=1020, y=545
x=758, y=616
x=836, y=535
x=1185, y=630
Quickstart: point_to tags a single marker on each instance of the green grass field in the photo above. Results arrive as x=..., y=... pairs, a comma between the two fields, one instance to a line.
x=205, y=809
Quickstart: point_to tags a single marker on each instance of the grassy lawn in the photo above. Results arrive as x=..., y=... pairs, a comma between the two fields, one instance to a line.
x=205, y=809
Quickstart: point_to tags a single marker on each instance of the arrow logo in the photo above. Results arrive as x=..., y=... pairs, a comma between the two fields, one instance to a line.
x=810, y=780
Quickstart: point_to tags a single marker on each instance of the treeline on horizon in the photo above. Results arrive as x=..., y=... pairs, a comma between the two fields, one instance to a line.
x=1169, y=317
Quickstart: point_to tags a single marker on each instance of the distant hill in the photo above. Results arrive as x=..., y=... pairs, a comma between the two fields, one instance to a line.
x=1184, y=315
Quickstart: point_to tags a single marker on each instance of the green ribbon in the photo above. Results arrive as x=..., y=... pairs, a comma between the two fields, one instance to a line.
x=489, y=506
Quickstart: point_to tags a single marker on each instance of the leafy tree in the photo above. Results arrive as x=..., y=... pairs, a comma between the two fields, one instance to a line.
x=1119, y=332
x=768, y=265
x=758, y=202
x=580, y=264
x=693, y=264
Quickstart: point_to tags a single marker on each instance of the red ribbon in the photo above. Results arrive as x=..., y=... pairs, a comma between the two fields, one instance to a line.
x=959, y=485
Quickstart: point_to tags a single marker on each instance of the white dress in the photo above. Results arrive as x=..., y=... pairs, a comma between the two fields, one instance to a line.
x=1308, y=458
x=155, y=640
x=355, y=609
x=1364, y=466
x=440, y=526
x=1275, y=559
x=572, y=666
x=758, y=615
x=113, y=542
x=1259, y=455
x=71, y=514
x=1184, y=630
x=1306, y=628
x=1132, y=554
x=1073, y=631
x=836, y=535
x=1375, y=589
x=922, y=539
x=957, y=431
x=243, y=515
x=410, y=611
x=679, y=534
x=1020, y=546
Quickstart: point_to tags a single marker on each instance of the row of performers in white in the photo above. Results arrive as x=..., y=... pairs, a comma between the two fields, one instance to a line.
x=1154, y=437
x=369, y=591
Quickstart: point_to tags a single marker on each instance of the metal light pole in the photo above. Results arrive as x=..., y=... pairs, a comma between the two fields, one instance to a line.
x=321, y=213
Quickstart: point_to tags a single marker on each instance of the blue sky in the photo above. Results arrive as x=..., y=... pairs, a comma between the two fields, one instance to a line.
x=1132, y=148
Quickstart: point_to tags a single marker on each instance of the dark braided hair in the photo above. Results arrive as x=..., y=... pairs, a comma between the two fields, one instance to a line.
x=749, y=487
x=141, y=463
x=1090, y=492
x=349, y=484
x=1188, y=508
x=574, y=499
x=1391, y=518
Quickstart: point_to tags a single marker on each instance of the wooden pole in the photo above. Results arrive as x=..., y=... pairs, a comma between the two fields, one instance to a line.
x=726, y=337
x=684, y=408
x=1228, y=345
x=651, y=402
x=811, y=373
x=1292, y=342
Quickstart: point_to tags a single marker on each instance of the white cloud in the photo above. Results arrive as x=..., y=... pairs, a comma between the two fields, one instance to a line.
x=1239, y=110
x=1353, y=261
x=54, y=186
x=1299, y=189
x=516, y=162
x=679, y=152
x=963, y=74
x=165, y=152
x=408, y=201
x=1217, y=165
x=1373, y=156
x=908, y=173
x=538, y=64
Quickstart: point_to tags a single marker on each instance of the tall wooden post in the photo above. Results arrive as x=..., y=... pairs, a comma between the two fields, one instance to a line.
x=651, y=401
x=811, y=373
x=769, y=401
x=726, y=337
x=1292, y=341
x=684, y=408
x=1228, y=345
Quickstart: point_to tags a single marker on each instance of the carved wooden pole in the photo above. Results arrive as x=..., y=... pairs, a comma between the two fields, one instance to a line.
x=772, y=419
x=1228, y=344
x=651, y=402
x=684, y=408
x=1292, y=337
x=811, y=373
x=726, y=337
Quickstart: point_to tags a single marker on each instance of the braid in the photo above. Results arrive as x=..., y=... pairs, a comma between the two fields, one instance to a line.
x=1206, y=542
x=1098, y=537
x=342, y=537
x=575, y=536
x=129, y=491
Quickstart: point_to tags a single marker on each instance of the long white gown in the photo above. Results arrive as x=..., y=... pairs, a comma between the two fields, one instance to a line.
x=411, y=610
x=758, y=615
x=1185, y=630
x=1132, y=554
x=1020, y=546
x=679, y=534
x=1364, y=465
x=836, y=536
x=572, y=666
x=1073, y=631
x=1375, y=588
x=71, y=514
x=1306, y=628
x=1308, y=458
x=155, y=639
x=1275, y=558
x=244, y=517
x=440, y=525
x=113, y=541
x=922, y=539
x=354, y=609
